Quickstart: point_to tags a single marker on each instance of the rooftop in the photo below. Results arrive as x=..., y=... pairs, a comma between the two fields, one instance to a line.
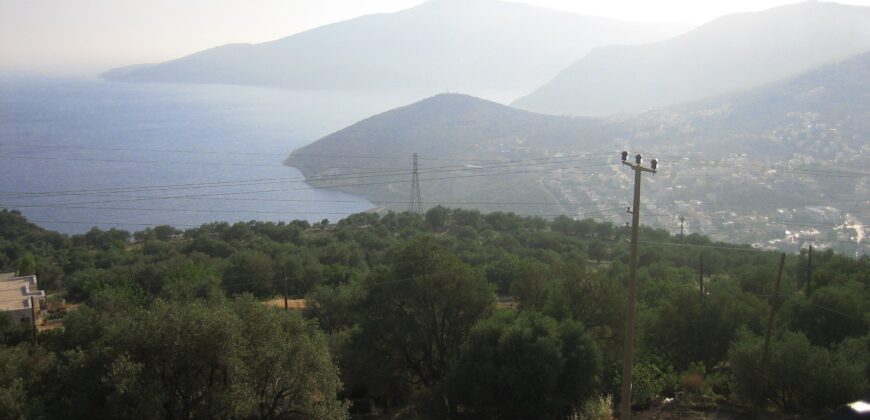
x=15, y=292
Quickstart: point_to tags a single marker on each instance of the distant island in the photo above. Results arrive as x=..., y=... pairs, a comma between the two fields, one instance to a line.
x=468, y=46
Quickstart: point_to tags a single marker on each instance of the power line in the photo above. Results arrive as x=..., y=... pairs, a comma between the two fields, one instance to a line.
x=128, y=161
x=328, y=186
x=245, y=153
x=728, y=248
x=466, y=168
x=121, y=223
x=263, y=181
x=682, y=160
x=424, y=157
x=257, y=181
x=258, y=211
x=362, y=284
x=188, y=210
x=74, y=222
x=383, y=172
x=836, y=311
x=318, y=201
x=688, y=202
x=704, y=246
x=131, y=149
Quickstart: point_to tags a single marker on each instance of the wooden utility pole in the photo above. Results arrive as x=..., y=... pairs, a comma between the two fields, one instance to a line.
x=33, y=319
x=809, y=269
x=701, y=275
x=284, y=275
x=765, y=354
x=628, y=350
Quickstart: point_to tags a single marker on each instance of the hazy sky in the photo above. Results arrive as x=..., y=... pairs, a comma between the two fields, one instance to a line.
x=88, y=36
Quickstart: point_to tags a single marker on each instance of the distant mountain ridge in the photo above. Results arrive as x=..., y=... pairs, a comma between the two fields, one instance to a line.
x=468, y=45
x=729, y=54
x=821, y=117
x=443, y=125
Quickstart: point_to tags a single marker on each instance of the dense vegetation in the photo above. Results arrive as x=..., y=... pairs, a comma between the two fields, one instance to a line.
x=452, y=313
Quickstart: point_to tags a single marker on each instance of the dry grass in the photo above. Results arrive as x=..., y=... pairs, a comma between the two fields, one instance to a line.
x=597, y=408
x=292, y=304
x=53, y=305
x=693, y=383
x=507, y=303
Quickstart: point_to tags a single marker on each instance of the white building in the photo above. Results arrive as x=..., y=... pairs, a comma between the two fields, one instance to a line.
x=16, y=295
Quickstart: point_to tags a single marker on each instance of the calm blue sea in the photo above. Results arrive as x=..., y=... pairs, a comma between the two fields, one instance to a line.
x=81, y=153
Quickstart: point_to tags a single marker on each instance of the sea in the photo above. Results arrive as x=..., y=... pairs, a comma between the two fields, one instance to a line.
x=82, y=153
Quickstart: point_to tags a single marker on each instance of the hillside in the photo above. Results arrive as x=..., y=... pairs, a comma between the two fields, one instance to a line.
x=442, y=44
x=821, y=114
x=462, y=134
x=452, y=125
x=790, y=145
x=731, y=53
x=527, y=316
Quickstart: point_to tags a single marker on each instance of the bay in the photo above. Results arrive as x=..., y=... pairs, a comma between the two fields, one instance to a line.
x=81, y=153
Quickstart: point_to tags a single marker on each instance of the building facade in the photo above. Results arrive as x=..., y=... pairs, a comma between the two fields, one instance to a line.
x=20, y=297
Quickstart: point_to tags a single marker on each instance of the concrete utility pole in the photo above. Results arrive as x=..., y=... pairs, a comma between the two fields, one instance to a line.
x=628, y=352
x=682, y=221
x=701, y=275
x=809, y=269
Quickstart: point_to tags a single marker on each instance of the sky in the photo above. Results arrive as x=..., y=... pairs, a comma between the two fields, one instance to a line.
x=85, y=37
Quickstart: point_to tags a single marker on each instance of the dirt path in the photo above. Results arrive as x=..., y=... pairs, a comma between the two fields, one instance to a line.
x=292, y=304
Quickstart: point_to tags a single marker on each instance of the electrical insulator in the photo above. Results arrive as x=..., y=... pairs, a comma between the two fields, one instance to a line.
x=624, y=155
x=654, y=163
x=638, y=159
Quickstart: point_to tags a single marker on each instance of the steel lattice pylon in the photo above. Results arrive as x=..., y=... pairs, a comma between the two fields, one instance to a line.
x=416, y=203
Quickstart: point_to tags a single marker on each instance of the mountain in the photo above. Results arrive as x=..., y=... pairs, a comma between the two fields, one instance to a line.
x=466, y=45
x=731, y=53
x=372, y=157
x=727, y=163
x=455, y=125
x=461, y=127
x=823, y=114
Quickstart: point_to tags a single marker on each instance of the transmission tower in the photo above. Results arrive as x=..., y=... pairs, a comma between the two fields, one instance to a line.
x=415, y=205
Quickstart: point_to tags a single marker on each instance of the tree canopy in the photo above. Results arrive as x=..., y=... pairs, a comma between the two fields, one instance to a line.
x=452, y=313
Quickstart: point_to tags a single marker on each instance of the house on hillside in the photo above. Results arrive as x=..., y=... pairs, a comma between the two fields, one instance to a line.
x=17, y=293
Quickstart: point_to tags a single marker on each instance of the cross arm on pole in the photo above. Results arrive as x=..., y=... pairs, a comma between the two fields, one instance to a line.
x=637, y=167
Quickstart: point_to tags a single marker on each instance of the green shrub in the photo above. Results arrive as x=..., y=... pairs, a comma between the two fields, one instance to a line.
x=525, y=365
x=800, y=376
x=597, y=408
x=650, y=380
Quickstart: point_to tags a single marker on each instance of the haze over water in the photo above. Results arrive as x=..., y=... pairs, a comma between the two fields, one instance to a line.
x=62, y=135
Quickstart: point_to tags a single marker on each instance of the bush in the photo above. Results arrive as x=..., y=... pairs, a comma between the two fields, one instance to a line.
x=693, y=383
x=800, y=376
x=649, y=381
x=525, y=365
x=597, y=408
